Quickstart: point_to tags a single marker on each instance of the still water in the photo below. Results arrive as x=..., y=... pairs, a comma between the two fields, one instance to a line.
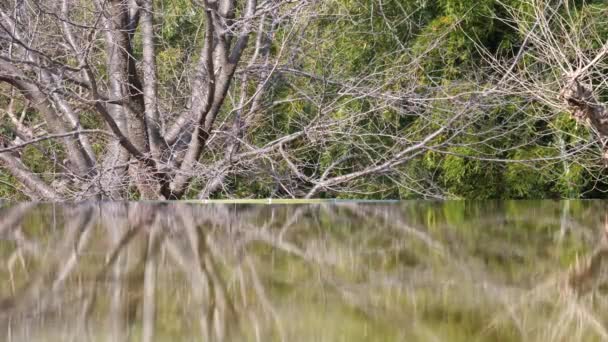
x=407, y=271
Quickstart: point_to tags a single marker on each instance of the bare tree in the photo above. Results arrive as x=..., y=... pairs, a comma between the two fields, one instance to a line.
x=49, y=54
x=561, y=64
x=187, y=135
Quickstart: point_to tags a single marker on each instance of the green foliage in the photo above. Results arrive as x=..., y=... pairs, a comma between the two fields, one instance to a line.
x=7, y=186
x=525, y=181
x=180, y=22
x=461, y=175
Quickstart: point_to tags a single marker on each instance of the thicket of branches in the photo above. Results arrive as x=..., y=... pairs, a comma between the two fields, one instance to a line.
x=156, y=99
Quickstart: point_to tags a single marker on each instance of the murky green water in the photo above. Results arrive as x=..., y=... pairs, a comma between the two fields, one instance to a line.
x=410, y=271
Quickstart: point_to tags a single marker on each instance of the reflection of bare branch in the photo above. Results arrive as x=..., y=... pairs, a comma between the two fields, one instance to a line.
x=586, y=272
x=83, y=229
x=11, y=216
x=118, y=271
x=260, y=292
x=393, y=221
x=149, y=299
x=36, y=292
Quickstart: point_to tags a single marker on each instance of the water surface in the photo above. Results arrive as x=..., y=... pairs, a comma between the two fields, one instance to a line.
x=407, y=271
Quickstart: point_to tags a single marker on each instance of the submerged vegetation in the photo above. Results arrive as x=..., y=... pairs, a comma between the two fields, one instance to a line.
x=360, y=99
x=416, y=271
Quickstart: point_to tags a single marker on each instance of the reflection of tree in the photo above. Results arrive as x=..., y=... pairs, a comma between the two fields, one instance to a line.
x=590, y=272
x=106, y=260
x=142, y=271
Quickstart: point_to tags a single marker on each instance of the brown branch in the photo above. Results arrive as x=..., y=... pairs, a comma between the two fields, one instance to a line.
x=584, y=106
x=200, y=109
x=38, y=188
x=157, y=144
x=53, y=136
